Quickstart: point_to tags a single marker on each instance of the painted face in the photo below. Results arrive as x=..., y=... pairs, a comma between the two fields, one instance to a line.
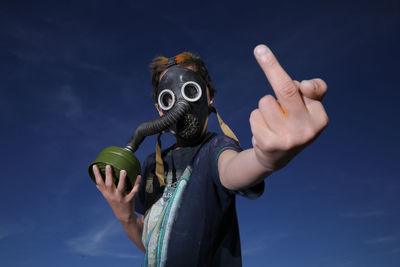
x=180, y=84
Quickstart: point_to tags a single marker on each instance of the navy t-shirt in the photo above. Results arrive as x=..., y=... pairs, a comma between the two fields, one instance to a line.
x=201, y=227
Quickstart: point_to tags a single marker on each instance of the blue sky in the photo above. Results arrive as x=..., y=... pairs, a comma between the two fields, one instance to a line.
x=74, y=80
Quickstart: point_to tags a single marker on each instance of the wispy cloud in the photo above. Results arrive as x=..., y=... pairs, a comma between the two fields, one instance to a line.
x=99, y=242
x=4, y=232
x=68, y=101
x=381, y=240
x=62, y=101
x=11, y=228
x=258, y=243
x=363, y=214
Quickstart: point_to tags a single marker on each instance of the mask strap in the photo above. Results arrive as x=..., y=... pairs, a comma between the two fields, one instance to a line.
x=159, y=162
x=171, y=62
x=224, y=127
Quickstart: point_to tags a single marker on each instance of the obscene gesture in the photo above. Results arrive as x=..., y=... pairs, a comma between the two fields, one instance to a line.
x=282, y=127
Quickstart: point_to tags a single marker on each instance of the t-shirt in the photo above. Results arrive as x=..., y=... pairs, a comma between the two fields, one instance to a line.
x=191, y=221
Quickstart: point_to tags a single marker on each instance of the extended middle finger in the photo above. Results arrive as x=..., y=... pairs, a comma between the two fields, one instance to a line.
x=285, y=89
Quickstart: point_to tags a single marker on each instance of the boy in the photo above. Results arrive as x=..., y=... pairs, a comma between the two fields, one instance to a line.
x=187, y=193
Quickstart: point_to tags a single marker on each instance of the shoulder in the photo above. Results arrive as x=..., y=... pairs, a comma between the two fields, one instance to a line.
x=219, y=143
x=207, y=160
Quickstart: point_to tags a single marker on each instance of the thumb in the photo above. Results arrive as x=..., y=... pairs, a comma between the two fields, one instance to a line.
x=314, y=89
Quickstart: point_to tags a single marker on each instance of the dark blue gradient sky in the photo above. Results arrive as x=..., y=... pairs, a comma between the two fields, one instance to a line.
x=74, y=79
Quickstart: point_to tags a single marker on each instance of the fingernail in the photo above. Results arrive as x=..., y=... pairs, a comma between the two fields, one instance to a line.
x=122, y=172
x=308, y=83
x=261, y=50
x=108, y=167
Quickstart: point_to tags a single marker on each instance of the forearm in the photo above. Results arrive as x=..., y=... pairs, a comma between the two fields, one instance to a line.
x=133, y=229
x=241, y=170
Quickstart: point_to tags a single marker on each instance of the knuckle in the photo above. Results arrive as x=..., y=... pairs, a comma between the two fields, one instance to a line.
x=265, y=101
x=293, y=140
x=288, y=143
x=321, y=116
x=308, y=134
x=261, y=102
x=253, y=116
x=324, y=120
x=288, y=89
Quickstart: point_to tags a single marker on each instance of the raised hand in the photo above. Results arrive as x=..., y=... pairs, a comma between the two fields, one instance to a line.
x=282, y=127
x=121, y=202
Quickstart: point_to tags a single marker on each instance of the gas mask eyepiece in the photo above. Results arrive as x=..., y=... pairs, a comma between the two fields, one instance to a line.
x=166, y=99
x=191, y=91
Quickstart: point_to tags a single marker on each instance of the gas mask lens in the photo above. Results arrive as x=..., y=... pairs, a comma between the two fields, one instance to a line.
x=191, y=91
x=166, y=99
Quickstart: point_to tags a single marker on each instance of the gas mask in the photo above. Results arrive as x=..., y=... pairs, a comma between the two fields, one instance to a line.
x=184, y=85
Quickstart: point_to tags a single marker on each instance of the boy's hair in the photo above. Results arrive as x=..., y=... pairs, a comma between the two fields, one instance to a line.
x=185, y=59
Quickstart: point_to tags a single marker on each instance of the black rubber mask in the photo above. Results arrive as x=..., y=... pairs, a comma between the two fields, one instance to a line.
x=183, y=85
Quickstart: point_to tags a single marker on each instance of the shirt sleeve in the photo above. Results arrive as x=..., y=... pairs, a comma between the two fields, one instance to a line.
x=218, y=145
